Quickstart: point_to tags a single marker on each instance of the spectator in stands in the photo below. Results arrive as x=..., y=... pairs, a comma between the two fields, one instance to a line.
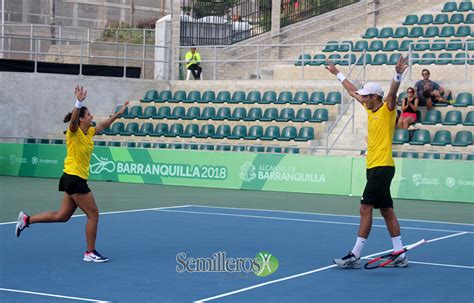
x=430, y=92
x=409, y=107
x=193, y=59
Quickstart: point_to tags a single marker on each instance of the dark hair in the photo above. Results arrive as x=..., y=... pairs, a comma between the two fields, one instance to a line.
x=411, y=88
x=68, y=116
x=425, y=70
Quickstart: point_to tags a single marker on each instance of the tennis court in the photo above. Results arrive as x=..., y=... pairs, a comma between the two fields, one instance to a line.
x=144, y=227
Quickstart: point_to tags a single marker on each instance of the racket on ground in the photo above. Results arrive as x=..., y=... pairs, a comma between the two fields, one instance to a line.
x=386, y=259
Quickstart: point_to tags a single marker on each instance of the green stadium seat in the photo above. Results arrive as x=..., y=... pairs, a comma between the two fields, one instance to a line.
x=470, y=157
x=411, y=20
x=237, y=97
x=288, y=133
x=452, y=117
x=360, y=46
x=149, y=112
x=146, y=129
x=438, y=44
x=348, y=59
x=194, y=112
x=316, y=98
x=331, y=46
x=420, y=137
x=43, y=141
x=305, y=134
x=116, y=128
x=284, y=97
x=318, y=59
x=130, y=129
x=191, y=146
x=431, y=31
x=470, y=44
x=333, y=98
x=179, y=96
x=175, y=130
x=456, y=19
x=391, y=45
x=131, y=144
x=271, y=133
x=401, y=96
x=367, y=58
x=57, y=141
x=300, y=98
x=400, y=32
x=114, y=144
x=191, y=130
x=239, y=148
x=175, y=146
x=178, y=113
x=193, y=96
x=270, y=114
x=223, y=131
x=223, y=147
x=150, y=96
x=432, y=156
x=207, y=131
x=238, y=132
x=165, y=96
x=257, y=149
x=134, y=112
x=273, y=149
x=449, y=7
x=335, y=59
x=100, y=143
x=239, y=113
x=463, y=138
x=452, y=156
x=303, y=115
x=410, y=155
x=401, y=136
x=460, y=59
x=206, y=147
x=222, y=97
x=463, y=31
x=469, y=18
x=125, y=113
x=441, y=19
x=304, y=59
x=370, y=33
x=291, y=150
x=159, y=145
x=463, y=100
x=208, y=113
x=30, y=141
x=254, y=114
x=286, y=114
x=469, y=120
x=426, y=19
x=380, y=59
x=415, y=58
x=386, y=32
x=223, y=113
x=161, y=129
x=415, y=32
x=268, y=97
x=320, y=115
x=441, y=138
x=447, y=31
x=393, y=60
x=432, y=117
x=394, y=153
x=421, y=45
x=465, y=6
x=404, y=46
x=163, y=112
x=346, y=46
x=427, y=58
x=255, y=132
x=254, y=97
x=444, y=58
x=375, y=46
x=209, y=96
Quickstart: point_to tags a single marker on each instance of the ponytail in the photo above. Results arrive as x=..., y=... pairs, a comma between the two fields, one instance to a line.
x=68, y=116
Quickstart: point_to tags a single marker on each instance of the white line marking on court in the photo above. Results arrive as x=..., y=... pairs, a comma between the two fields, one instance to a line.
x=52, y=295
x=321, y=214
x=442, y=265
x=302, y=220
x=304, y=274
x=121, y=212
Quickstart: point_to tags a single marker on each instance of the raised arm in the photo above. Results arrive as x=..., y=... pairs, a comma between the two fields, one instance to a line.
x=400, y=68
x=348, y=85
x=106, y=123
x=81, y=95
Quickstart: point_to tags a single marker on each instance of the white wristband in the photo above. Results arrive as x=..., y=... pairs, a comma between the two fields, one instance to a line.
x=340, y=76
x=397, y=78
x=79, y=104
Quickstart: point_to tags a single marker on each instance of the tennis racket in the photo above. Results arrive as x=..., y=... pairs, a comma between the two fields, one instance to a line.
x=386, y=259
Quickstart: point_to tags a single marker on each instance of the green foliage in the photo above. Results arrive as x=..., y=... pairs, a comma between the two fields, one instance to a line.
x=123, y=32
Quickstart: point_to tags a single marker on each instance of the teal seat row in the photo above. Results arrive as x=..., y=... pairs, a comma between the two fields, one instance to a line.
x=426, y=19
x=441, y=138
x=452, y=117
x=418, y=31
x=463, y=6
x=432, y=155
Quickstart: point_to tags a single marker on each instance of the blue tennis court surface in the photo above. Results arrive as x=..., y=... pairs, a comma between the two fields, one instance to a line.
x=143, y=246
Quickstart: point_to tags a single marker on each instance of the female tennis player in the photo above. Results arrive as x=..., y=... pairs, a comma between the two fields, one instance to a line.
x=73, y=182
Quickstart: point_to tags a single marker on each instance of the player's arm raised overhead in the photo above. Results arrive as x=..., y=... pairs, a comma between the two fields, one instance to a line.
x=400, y=68
x=81, y=95
x=348, y=85
x=106, y=123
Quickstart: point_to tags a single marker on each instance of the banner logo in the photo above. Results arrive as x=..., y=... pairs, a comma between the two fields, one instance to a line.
x=248, y=172
x=101, y=165
x=450, y=181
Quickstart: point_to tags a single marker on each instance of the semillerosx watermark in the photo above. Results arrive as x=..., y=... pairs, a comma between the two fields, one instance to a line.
x=263, y=264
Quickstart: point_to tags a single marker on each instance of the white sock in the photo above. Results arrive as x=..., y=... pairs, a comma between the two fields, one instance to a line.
x=397, y=244
x=359, y=245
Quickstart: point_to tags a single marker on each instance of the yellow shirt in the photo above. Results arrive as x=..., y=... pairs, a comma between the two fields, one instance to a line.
x=192, y=58
x=381, y=126
x=79, y=150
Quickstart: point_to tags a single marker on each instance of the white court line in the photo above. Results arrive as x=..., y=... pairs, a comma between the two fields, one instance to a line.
x=52, y=295
x=303, y=274
x=321, y=214
x=302, y=220
x=442, y=265
x=120, y=212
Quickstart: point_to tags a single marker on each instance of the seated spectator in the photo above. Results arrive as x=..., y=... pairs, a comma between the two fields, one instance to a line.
x=409, y=107
x=193, y=59
x=430, y=92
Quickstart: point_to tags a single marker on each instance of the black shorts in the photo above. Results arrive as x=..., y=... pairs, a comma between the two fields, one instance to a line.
x=377, y=189
x=73, y=184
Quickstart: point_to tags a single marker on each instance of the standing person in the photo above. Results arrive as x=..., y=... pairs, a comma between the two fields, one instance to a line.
x=380, y=165
x=193, y=59
x=409, y=107
x=73, y=182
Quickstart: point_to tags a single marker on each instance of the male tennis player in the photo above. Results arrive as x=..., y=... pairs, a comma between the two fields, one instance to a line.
x=380, y=165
